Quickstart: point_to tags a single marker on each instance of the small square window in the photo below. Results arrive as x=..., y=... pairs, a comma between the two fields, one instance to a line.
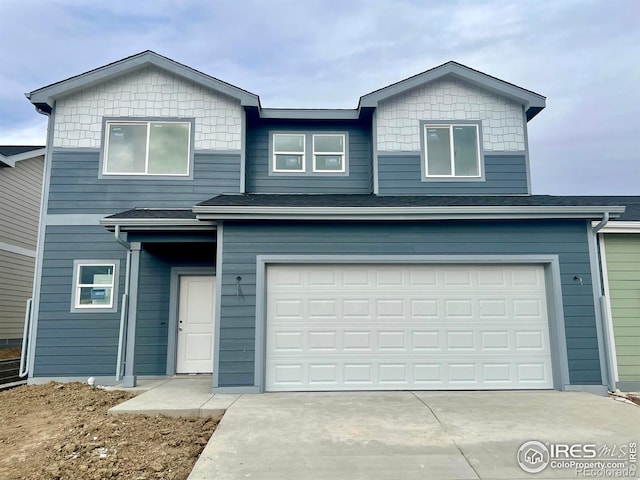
x=147, y=148
x=452, y=151
x=94, y=285
x=329, y=153
x=288, y=152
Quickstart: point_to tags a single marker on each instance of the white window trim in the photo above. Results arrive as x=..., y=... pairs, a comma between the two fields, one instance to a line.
x=450, y=126
x=303, y=154
x=148, y=123
x=75, y=295
x=342, y=153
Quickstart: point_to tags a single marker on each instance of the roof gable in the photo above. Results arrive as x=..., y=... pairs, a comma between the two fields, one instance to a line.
x=532, y=101
x=43, y=97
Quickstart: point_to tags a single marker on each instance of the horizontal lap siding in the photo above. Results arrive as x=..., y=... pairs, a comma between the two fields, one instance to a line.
x=243, y=241
x=359, y=179
x=153, y=315
x=16, y=282
x=76, y=188
x=623, y=268
x=75, y=344
x=402, y=175
x=20, y=189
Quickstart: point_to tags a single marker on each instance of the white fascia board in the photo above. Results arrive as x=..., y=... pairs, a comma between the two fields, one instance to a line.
x=13, y=159
x=151, y=223
x=141, y=60
x=403, y=213
x=620, y=227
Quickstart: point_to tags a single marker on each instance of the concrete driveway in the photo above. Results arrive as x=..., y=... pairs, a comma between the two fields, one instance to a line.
x=407, y=435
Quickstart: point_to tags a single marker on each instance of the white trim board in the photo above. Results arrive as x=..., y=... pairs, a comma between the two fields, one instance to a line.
x=7, y=247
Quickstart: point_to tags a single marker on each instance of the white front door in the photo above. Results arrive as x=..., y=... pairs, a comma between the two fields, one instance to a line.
x=195, y=324
x=401, y=327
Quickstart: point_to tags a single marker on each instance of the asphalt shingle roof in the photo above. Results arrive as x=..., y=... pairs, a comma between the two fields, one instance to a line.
x=276, y=200
x=9, y=150
x=181, y=214
x=632, y=203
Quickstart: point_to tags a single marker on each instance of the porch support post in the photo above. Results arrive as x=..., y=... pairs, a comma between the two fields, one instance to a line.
x=129, y=379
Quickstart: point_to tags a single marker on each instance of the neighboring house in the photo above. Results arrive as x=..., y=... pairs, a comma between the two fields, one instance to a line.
x=397, y=245
x=20, y=188
x=620, y=254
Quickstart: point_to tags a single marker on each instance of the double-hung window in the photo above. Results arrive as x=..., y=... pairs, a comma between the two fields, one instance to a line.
x=147, y=148
x=329, y=153
x=94, y=285
x=452, y=150
x=288, y=152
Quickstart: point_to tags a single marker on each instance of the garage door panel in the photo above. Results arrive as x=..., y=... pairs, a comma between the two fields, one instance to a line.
x=342, y=327
x=352, y=374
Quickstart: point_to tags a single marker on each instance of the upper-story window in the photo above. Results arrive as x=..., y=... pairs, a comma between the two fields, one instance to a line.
x=328, y=153
x=309, y=153
x=452, y=150
x=147, y=148
x=289, y=152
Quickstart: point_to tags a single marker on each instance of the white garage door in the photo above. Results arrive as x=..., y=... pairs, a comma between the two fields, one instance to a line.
x=398, y=327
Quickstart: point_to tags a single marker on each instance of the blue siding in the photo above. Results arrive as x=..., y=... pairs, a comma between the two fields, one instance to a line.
x=153, y=315
x=86, y=343
x=83, y=343
x=243, y=241
x=359, y=179
x=402, y=175
x=76, y=188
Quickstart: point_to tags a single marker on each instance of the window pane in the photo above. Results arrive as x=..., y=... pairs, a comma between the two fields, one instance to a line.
x=465, y=145
x=169, y=148
x=289, y=162
x=438, y=151
x=126, y=149
x=95, y=296
x=96, y=274
x=288, y=143
x=329, y=162
x=328, y=143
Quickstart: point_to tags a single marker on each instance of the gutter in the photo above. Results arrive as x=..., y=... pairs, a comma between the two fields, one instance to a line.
x=212, y=212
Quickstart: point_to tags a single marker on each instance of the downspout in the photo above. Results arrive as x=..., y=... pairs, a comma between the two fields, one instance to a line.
x=603, y=306
x=603, y=222
x=125, y=304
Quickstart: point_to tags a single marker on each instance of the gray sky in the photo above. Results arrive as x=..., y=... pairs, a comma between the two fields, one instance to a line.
x=584, y=56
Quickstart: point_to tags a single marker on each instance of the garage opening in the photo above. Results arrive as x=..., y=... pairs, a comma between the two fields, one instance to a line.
x=402, y=327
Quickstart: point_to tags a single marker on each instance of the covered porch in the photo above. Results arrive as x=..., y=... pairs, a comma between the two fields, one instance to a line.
x=169, y=296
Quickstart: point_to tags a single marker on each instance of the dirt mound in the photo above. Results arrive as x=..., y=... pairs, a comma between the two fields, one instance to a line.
x=62, y=432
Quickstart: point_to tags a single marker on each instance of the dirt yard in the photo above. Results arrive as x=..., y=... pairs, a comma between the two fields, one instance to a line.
x=6, y=353
x=62, y=432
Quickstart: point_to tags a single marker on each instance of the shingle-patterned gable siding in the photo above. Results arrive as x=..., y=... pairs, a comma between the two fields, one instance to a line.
x=149, y=92
x=398, y=126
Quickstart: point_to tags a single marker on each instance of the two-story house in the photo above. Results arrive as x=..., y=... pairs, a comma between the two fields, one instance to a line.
x=397, y=245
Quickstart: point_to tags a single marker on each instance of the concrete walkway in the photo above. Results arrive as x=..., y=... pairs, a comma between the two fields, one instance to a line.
x=175, y=397
x=405, y=435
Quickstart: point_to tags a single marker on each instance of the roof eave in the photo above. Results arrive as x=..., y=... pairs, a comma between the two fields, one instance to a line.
x=11, y=160
x=132, y=224
x=204, y=212
x=621, y=227
x=532, y=101
x=46, y=95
